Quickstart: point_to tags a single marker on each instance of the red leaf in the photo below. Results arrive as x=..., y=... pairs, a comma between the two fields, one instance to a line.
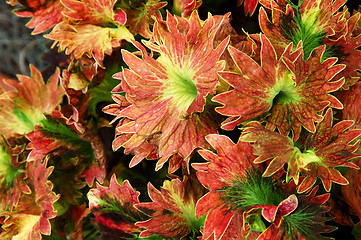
x=140, y=17
x=287, y=206
x=231, y=162
x=109, y=204
x=347, y=43
x=40, y=145
x=352, y=191
x=172, y=211
x=44, y=16
x=184, y=8
x=31, y=217
x=98, y=12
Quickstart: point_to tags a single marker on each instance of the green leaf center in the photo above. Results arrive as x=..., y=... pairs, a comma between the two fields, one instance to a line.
x=285, y=90
x=25, y=119
x=309, y=29
x=254, y=190
x=309, y=156
x=180, y=85
x=7, y=170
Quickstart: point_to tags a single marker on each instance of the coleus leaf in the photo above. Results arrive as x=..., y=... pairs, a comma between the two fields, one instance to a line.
x=336, y=146
x=86, y=20
x=272, y=214
x=79, y=76
x=98, y=12
x=44, y=16
x=74, y=39
x=274, y=28
x=114, y=208
x=303, y=219
x=140, y=15
x=12, y=175
x=350, y=100
x=309, y=22
x=327, y=148
x=145, y=149
x=290, y=90
x=344, y=44
x=79, y=215
x=40, y=144
x=24, y=107
x=316, y=15
x=96, y=168
x=231, y=163
x=86, y=145
x=185, y=8
x=67, y=179
x=220, y=170
x=167, y=96
x=6, y=87
x=172, y=211
x=352, y=191
x=249, y=6
x=30, y=218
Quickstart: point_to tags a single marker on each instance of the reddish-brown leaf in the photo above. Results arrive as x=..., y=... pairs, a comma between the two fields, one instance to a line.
x=172, y=211
x=109, y=204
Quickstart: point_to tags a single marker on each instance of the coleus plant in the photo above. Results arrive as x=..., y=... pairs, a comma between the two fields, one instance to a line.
x=247, y=129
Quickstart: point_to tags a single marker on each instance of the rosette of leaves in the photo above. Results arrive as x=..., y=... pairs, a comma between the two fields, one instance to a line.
x=242, y=204
x=165, y=108
x=315, y=23
x=331, y=146
x=285, y=91
x=306, y=21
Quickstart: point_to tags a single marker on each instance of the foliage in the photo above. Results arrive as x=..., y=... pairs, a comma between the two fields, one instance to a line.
x=247, y=130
